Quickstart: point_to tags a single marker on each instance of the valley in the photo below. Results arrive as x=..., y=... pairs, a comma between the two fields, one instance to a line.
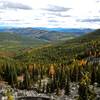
x=51, y=65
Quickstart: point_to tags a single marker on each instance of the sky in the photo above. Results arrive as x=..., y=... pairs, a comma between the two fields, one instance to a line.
x=50, y=13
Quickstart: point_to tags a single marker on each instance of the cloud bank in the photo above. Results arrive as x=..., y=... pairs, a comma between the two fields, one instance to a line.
x=50, y=13
x=91, y=20
x=54, y=8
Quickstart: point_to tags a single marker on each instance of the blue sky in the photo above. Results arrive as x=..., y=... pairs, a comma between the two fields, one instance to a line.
x=50, y=13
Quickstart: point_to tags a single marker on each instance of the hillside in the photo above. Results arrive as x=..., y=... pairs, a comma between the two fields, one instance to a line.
x=46, y=35
x=65, y=51
x=17, y=39
x=13, y=42
x=72, y=66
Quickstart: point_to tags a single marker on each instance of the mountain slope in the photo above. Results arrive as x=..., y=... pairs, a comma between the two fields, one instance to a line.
x=62, y=53
x=13, y=41
x=46, y=35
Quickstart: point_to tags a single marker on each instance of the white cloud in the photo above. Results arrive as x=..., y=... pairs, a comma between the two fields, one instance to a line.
x=51, y=13
x=12, y=5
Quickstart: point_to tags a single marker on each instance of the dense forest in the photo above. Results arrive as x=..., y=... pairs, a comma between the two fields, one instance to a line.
x=51, y=68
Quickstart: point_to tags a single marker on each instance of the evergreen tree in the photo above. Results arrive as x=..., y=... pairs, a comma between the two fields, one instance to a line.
x=26, y=81
x=58, y=89
x=93, y=74
x=67, y=85
x=98, y=75
x=10, y=74
x=84, y=88
x=85, y=92
x=47, y=88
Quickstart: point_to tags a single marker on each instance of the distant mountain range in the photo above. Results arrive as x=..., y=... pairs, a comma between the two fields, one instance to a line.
x=16, y=38
x=77, y=31
x=50, y=34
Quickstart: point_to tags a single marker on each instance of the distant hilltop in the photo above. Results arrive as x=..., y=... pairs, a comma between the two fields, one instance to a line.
x=77, y=31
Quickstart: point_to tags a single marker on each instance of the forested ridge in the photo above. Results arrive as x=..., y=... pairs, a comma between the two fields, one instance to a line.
x=76, y=60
